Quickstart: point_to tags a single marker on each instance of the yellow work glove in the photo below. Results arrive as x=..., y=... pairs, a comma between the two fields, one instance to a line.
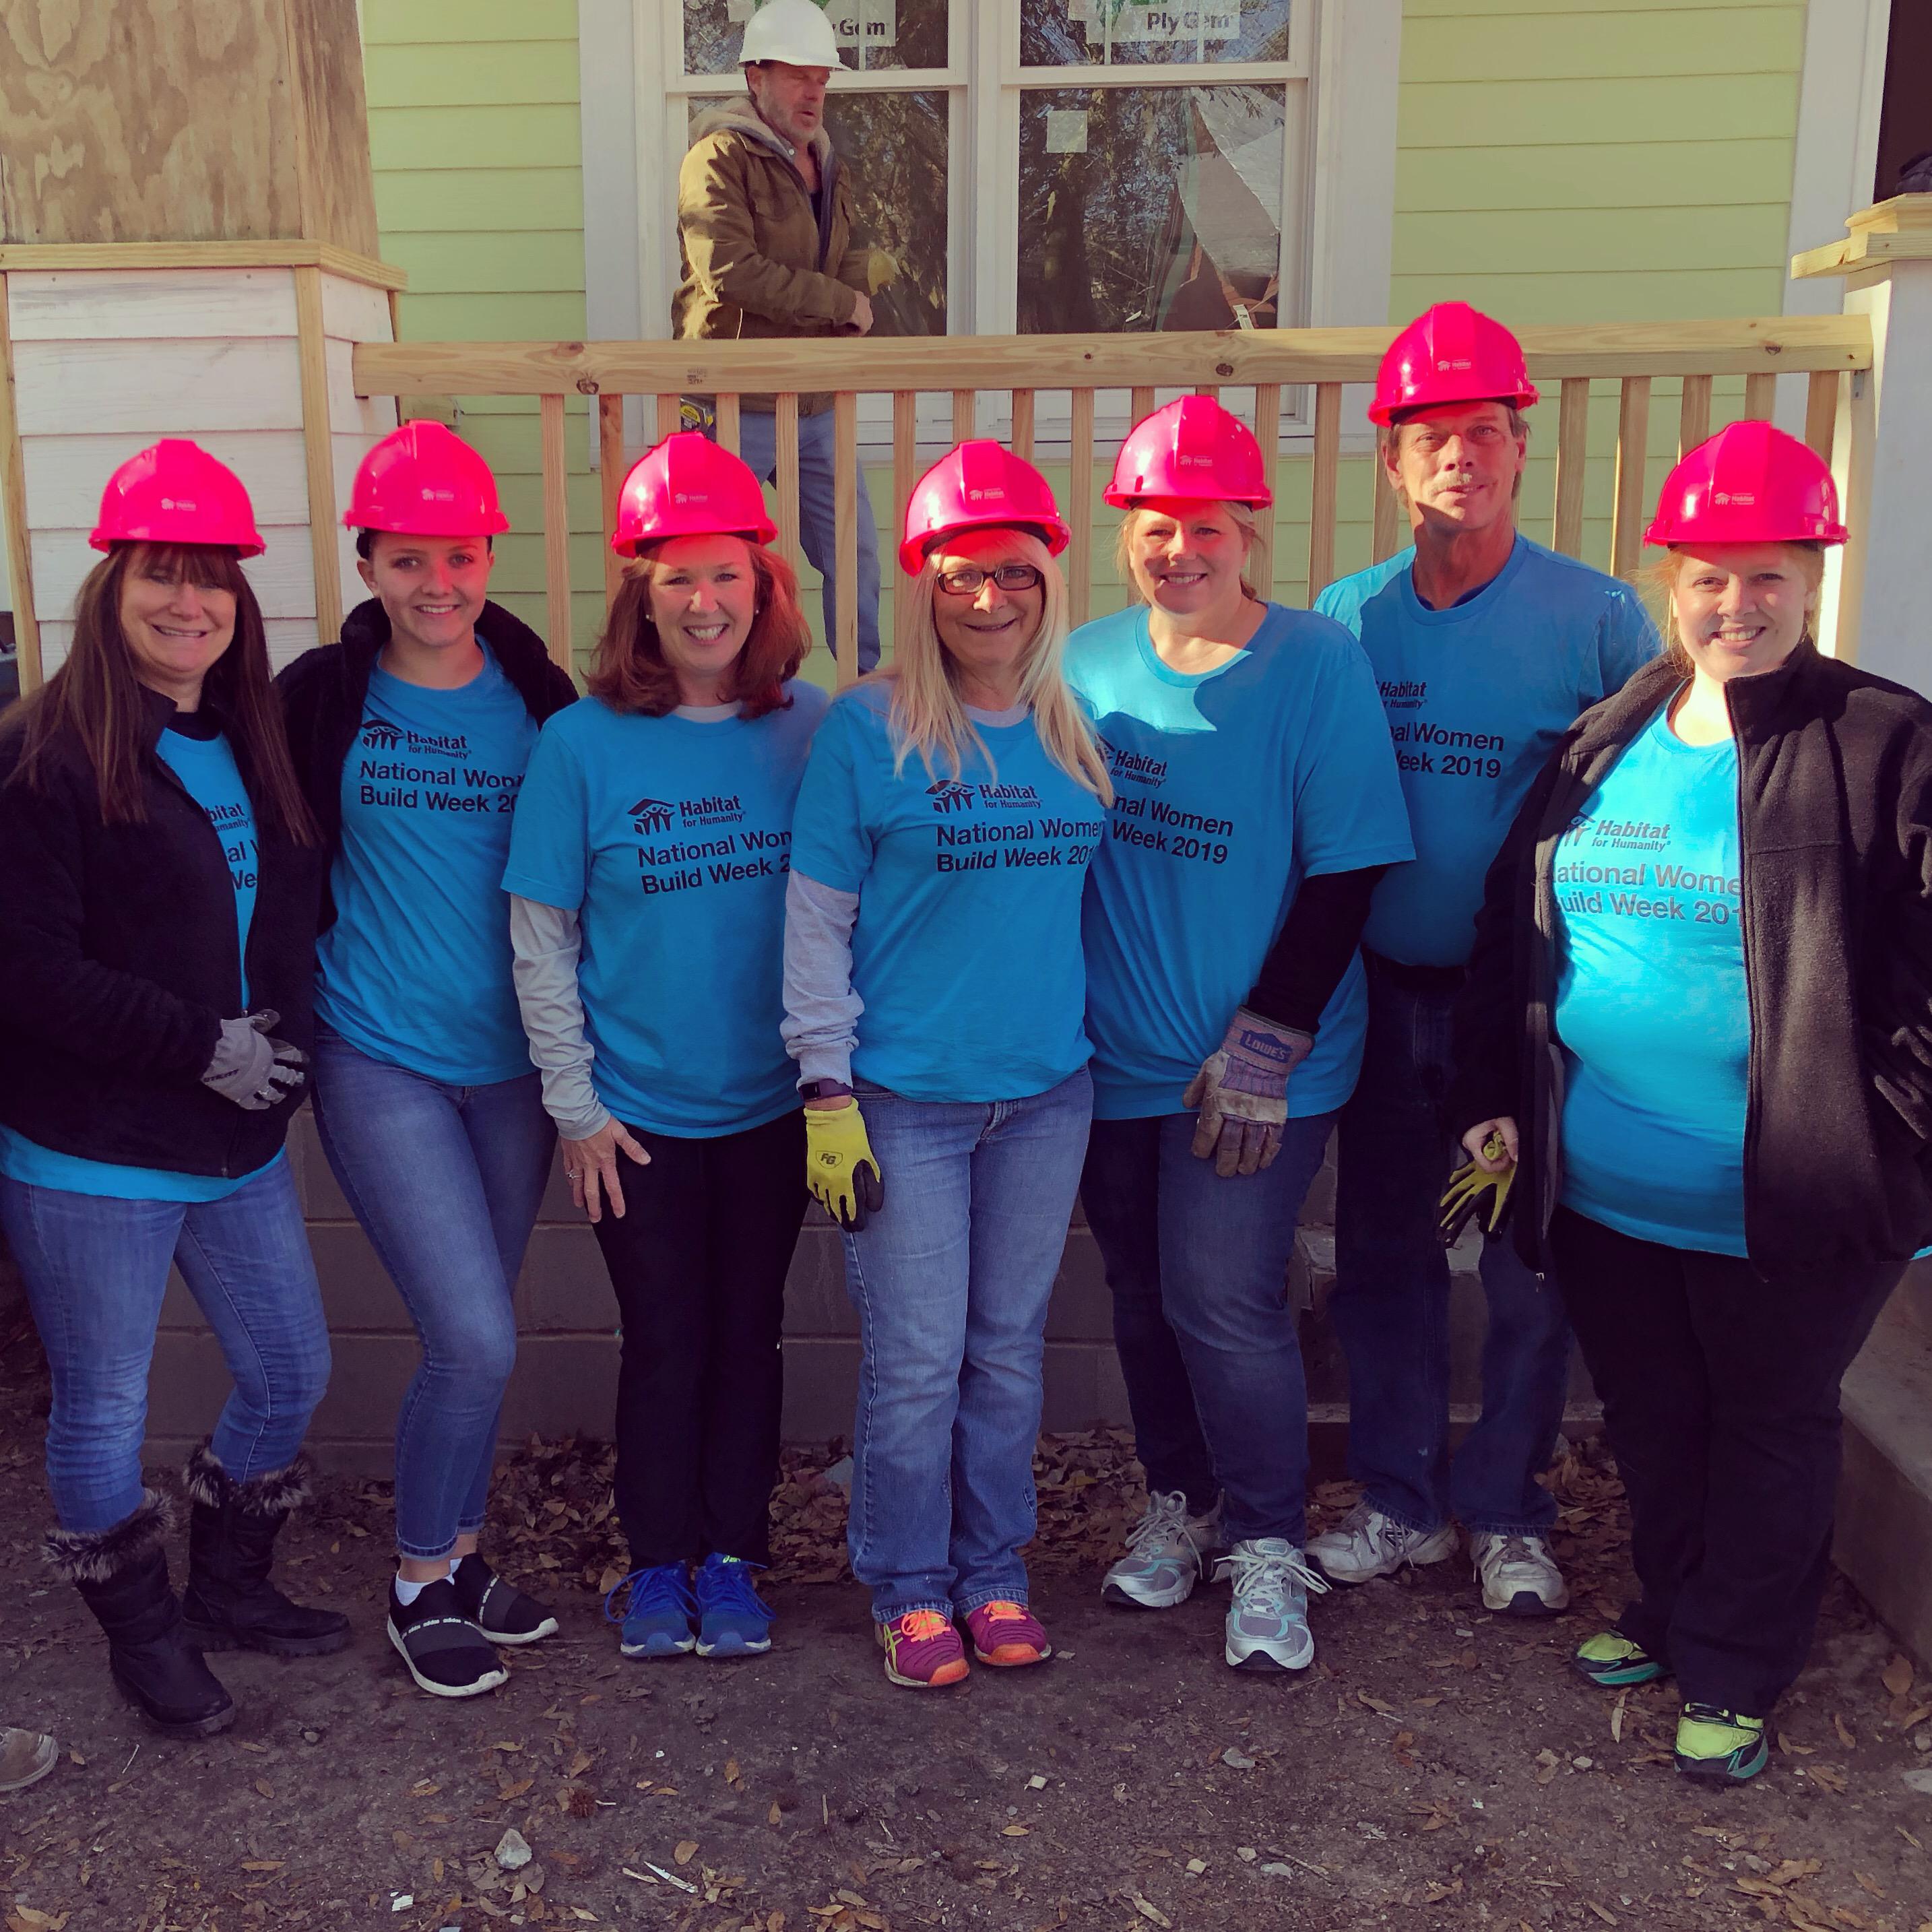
x=840, y=1167
x=1463, y=1200
x=881, y=269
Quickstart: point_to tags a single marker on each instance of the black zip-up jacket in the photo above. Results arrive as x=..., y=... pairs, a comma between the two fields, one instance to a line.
x=119, y=945
x=324, y=691
x=1834, y=784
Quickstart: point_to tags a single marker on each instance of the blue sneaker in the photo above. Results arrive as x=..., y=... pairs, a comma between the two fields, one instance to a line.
x=1266, y=1626
x=657, y=1620
x=733, y=1621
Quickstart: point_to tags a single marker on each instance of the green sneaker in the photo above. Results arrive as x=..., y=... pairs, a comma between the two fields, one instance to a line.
x=1720, y=1745
x=1610, y=1660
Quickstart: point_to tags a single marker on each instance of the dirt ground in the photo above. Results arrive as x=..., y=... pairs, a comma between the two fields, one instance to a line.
x=1438, y=1768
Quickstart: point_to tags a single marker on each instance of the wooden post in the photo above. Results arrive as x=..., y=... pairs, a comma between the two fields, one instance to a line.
x=1694, y=414
x=669, y=419
x=1023, y=423
x=1572, y=438
x=1760, y=396
x=1325, y=482
x=845, y=531
x=905, y=461
x=1080, y=506
x=727, y=423
x=19, y=548
x=1267, y=433
x=1391, y=518
x=556, y=529
x=965, y=415
x=784, y=433
x=1633, y=434
x=610, y=479
x=319, y=447
x=1821, y=411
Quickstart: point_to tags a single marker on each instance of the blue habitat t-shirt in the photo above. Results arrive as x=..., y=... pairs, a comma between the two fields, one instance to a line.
x=415, y=971
x=1230, y=788
x=1651, y=1005
x=1477, y=696
x=206, y=768
x=967, y=948
x=670, y=838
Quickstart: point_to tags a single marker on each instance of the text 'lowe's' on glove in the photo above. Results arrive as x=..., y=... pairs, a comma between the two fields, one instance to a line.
x=1472, y=1193
x=1242, y=1093
x=840, y=1167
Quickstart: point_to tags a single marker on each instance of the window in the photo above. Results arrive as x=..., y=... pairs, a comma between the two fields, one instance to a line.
x=1050, y=165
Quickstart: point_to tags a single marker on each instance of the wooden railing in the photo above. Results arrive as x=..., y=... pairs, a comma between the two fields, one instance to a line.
x=1564, y=362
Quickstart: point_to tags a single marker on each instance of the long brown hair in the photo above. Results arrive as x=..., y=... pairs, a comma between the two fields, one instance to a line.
x=96, y=695
x=630, y=673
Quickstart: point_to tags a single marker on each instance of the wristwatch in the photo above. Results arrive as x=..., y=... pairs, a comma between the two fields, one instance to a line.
x=823, y=1089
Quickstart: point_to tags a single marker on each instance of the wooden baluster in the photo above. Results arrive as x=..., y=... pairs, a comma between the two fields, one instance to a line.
x=556, y=528
x=784, y=431
x=1143, y=401
x=318, y=447
x=1324, y=483
x=727, y=424
x=845, y=530
x=965, y=415
x=1693, y=415
x=905, y=465
x=1573, y=441
x=1212, y=391
x=1760, y=396
x=1391, y=519
x=669, y=421
x=1080, y=507
x=1821, y=411
x=1632, y=446
x=1023, y=423
x=610, y=474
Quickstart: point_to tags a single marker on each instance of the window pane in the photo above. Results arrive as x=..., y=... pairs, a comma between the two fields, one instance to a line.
x=874, y=34
x=1077, y=33
x=1144, y=208
x=894, y=148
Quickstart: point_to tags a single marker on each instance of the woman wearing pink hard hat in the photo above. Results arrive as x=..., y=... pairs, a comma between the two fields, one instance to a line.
x=159, y=874
x=410, y=737
x=1255, y=805
x=934, y=998
x=648, y=869
x=1694, y=1047
x=1485, y=645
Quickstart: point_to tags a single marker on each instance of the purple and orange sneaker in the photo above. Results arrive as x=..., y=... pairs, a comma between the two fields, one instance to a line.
x=923, y=1651
x=1007, y=1636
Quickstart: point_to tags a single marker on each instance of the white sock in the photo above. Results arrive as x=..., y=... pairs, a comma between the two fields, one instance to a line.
x=406, y=1592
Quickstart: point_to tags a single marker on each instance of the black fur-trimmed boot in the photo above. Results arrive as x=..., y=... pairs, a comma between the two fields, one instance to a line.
x=122, y=1572
x=230, y=1603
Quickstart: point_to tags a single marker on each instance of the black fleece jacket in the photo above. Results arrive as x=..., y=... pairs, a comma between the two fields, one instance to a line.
x=324, y=691
x=119, y=946
x=1834, y=784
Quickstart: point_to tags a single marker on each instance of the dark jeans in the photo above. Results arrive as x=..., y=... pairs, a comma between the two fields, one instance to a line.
x=698, y=1261
x=1720, y=1398
x=1391, y=1306
x=1198, y=1265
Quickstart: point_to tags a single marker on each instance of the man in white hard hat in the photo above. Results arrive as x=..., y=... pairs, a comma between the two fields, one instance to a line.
x=765, y=225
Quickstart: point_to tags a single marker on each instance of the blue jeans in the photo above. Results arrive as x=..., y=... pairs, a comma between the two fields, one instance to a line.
x=1198, y=1264
x=446, y=1181
x=817, y=518
x=95, y=1272
x=951, y=1280
x=1390, y=1308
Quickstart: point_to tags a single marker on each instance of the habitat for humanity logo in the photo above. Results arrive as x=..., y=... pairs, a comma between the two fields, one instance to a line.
x=652, y=814
x=1132, y=765
x=379, y=735
x=950, y=795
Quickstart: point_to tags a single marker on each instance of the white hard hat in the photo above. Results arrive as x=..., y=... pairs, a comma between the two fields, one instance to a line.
x=796, y=32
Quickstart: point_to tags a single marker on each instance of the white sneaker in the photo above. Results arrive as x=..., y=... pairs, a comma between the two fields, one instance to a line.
x=1168, y=1553
x=1266, y=1626
x=1519, y=1576
x=1367, y=1544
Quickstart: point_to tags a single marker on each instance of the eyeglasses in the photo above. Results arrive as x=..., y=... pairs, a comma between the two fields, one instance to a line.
x=969, y=580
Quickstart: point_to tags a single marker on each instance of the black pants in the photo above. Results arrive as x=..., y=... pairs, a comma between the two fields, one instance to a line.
x=698, y=1262
x=1720, y=1397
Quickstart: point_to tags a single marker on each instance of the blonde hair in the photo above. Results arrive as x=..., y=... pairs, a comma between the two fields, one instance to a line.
x=1241, y=514
x=1658, y=583
x=928, y=717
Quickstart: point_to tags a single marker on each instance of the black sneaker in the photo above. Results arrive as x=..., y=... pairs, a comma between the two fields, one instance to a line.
x=446, y=1653
x=498, y=1609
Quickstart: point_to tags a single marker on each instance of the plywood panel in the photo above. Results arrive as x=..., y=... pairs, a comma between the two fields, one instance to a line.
x=169, y=389
x=75, y=305
x=283, y=576
x=324, y=54
x=65, y=474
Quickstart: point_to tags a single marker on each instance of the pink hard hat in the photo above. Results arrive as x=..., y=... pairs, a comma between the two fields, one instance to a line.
x=1193, y=448
x=425, y=481
x=1451, y=353
x=980, y=485
x=687, y=486
x=1748, y=484
x=174, y=492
